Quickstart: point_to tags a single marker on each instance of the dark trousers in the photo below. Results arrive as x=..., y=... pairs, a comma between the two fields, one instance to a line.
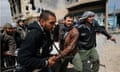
x=9, y=60
x=28, y=69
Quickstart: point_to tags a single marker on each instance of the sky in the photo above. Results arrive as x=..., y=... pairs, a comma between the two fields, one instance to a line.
x=5, y=15
x=113, y=4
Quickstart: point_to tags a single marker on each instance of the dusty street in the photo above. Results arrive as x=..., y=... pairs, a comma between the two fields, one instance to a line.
x=109, y=54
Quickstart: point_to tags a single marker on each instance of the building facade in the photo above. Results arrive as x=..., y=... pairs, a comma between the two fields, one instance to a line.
x=30, y=9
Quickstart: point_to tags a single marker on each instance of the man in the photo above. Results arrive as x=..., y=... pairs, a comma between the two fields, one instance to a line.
x=8, y=46
x=34, y=52
x=16, y=35
x=56, y=30
x=63, y=30
x=84, y=37
x=22, y=30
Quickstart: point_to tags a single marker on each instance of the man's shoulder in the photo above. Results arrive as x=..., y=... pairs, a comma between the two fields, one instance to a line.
x=34, y=26
x=18, y=27
x=8, y=37
x=34, y=31
x=61, y=25
x=80, y=26
x=74, y=31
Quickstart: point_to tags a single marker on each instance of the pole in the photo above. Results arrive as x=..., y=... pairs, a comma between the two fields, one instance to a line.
x=106, y=15
x=114, y=25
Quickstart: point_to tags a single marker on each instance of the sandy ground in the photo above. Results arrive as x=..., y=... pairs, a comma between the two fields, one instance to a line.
x=109, y=54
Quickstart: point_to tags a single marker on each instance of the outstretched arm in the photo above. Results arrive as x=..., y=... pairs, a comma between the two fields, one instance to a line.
x=102, y=30
x=70, y=43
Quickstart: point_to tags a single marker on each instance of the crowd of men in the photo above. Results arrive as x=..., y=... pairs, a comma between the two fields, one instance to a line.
x=11, y=38
x=29, y=45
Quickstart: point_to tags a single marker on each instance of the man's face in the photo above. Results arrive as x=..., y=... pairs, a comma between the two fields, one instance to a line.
x=9, y=30
x=50, y=23
x=90, y=19
x=69, y=21
x=21, y=23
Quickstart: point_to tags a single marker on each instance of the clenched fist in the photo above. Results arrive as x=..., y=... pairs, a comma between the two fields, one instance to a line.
x=51, y=61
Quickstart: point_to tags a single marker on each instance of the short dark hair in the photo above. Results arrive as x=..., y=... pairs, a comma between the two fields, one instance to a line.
x=45, y=14
x=20, y=20
x=68, y=15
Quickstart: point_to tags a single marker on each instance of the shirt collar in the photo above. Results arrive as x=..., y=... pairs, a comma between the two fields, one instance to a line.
x=40, y=25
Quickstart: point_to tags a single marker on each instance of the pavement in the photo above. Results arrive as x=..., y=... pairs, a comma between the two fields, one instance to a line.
x=109, y=53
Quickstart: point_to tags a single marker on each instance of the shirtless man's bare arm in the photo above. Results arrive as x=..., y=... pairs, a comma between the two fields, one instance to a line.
x=70, y=43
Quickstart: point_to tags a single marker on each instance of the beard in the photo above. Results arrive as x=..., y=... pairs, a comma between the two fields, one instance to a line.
x=10, y=33
x=48, y=30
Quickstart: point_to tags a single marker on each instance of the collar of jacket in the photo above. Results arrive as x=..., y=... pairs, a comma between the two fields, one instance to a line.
x=40, y=26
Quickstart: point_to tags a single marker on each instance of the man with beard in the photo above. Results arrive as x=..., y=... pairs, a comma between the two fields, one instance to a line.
x=34, y=53
x=8, y=46
x=83, y=35
x=61, y=31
